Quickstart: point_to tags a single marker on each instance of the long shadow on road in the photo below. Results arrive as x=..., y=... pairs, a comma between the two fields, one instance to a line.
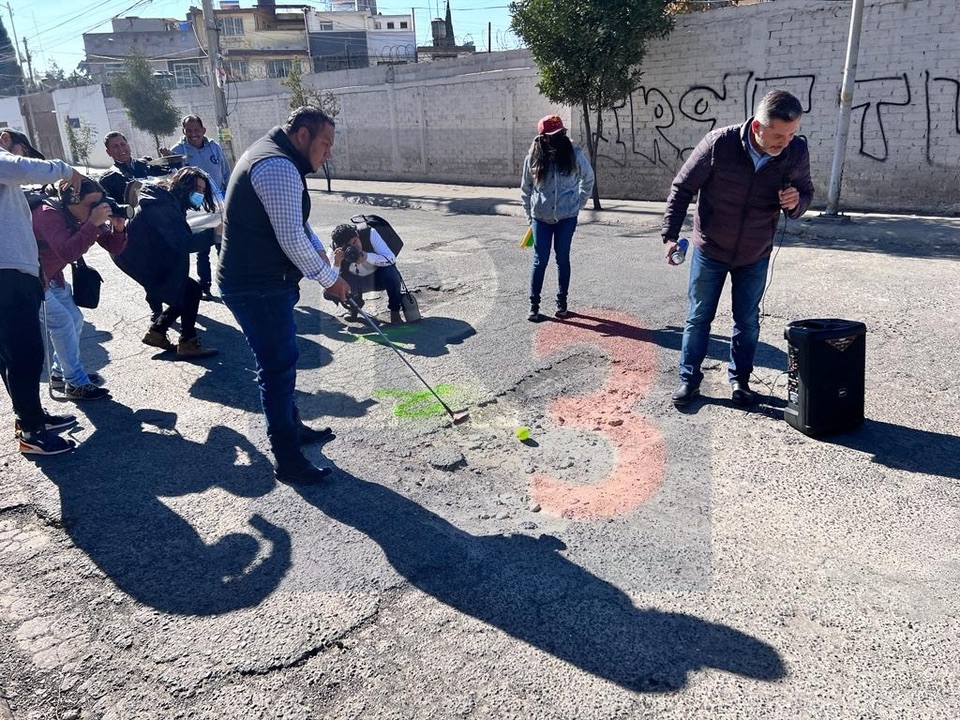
x=905, y=448
x=111, y=492
x=525, y=587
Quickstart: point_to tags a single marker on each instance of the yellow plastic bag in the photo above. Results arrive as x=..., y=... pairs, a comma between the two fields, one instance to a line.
x=527, y=240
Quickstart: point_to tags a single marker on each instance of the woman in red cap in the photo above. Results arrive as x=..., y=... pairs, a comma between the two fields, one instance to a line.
x=556, y=184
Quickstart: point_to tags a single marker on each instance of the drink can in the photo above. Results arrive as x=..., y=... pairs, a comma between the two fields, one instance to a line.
x=680, y=254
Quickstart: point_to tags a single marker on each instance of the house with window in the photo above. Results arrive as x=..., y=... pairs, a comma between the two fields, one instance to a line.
x=171, y=46
x=260, y=41
x=354, y=35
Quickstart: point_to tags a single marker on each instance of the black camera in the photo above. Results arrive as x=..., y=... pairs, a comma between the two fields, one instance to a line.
x=118, y=210
x=351, y=253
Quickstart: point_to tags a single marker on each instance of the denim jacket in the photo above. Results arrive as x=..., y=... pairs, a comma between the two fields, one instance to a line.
x=560, y=196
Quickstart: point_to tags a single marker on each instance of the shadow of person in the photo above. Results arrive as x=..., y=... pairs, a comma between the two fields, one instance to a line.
x=111, y=491
x=905, y=448
x=429, y=337
x=525, y=587
x=671, y=338
x=231, y=379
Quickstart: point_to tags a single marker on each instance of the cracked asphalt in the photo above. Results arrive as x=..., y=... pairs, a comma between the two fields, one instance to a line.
x=627, y=561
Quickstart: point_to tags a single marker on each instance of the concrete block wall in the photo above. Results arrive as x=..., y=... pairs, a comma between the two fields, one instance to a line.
x=471, y=120
x=903, y=151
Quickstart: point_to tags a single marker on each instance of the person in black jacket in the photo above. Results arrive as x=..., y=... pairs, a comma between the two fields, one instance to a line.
x=116, y=181
x=744, y=177
x=157, y=257
x=268, y=247
x=124, y=168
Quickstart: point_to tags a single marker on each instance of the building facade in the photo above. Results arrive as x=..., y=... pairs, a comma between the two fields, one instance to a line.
x=171, y=46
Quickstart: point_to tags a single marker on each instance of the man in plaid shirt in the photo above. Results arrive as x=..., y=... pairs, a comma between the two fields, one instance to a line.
x=268, y=246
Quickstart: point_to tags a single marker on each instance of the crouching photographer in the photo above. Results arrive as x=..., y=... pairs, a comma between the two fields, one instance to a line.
x=65, y=229
x=367, y=268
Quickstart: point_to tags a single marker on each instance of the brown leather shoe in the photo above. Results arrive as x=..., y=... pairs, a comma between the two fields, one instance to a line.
x=157, y=339
x=191, y=348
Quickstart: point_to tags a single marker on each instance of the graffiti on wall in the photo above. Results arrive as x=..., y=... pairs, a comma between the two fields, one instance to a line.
x=661, y=129
x=651, y=126
x=942, y=97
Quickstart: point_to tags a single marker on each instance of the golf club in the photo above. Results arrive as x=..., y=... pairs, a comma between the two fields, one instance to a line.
x=455, y=417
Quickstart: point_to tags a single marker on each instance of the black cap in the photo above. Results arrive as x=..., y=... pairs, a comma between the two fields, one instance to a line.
x=18, y=138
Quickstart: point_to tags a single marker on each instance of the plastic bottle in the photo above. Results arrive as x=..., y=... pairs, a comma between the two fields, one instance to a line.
x=680, y=254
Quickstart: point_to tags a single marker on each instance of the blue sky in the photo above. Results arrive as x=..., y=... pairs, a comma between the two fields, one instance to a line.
x=54, y=28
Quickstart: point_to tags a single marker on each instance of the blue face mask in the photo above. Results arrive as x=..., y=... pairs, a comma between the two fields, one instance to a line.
x=196, y=199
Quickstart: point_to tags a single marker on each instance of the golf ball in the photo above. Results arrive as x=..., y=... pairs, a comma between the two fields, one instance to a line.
x=522, y=433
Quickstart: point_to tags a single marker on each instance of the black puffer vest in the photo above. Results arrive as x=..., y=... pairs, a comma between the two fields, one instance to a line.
x=250, y=257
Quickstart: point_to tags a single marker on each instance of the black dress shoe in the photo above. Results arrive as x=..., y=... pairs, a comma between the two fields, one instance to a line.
x=684, y=394
x=300, y=474
x=309, y=435
x=742, y=394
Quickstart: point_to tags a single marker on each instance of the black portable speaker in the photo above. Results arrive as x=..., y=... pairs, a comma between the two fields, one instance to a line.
x=826, y=360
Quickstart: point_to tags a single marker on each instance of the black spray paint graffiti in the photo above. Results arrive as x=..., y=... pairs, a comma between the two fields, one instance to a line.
x=876, y=93
x=650, y=109
x=936, y=148
x=649, y=126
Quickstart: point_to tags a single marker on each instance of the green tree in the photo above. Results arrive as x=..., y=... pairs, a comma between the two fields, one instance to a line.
x=11, y=75
x=145, y=97
x=81, y=140
x=301, y=95
x=589, y=52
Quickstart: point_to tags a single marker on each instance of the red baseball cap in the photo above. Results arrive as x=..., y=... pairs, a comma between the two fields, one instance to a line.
x=550, y=125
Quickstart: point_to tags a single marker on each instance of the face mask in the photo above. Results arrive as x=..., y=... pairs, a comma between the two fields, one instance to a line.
x=196, y=199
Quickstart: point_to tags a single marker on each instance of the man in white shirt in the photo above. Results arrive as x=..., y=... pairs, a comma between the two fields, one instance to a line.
x=367, y=268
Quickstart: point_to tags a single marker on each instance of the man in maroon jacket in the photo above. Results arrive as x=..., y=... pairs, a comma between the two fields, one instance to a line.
x=746, y=175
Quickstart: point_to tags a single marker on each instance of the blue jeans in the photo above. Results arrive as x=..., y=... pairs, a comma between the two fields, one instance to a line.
x=560, y=236
x=64, y=323
x=706, y=283
x=266, y=318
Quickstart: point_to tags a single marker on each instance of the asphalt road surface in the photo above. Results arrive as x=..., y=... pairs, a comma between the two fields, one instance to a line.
x=626, y=561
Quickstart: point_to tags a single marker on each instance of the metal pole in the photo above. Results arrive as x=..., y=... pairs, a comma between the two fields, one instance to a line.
x=16, y=43
x=26, y=51
x=846, y=104
x=219, y=102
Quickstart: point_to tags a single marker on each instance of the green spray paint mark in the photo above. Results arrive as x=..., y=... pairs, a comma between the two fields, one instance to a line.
x=417, y=404
x=394, y=333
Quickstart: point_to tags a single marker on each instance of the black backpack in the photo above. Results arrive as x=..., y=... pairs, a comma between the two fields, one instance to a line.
x=36, y=196
x=383, y=228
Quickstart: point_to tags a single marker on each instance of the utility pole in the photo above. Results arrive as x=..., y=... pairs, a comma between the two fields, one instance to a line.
x=846, y=105
x=16, y=43
x=219, y=102
x=26, y=51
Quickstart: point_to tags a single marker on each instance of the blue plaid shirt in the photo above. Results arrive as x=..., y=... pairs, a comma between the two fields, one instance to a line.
x=280, y=189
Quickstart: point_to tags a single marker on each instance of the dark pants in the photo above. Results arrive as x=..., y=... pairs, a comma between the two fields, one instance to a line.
x=266, y=318
x=383, y=278
x=186, y=311
x=203, y=241
x=21, y=345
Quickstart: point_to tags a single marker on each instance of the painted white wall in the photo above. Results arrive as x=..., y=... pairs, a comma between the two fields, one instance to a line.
x=470, y=120
x=10, y=113
x=87, y=104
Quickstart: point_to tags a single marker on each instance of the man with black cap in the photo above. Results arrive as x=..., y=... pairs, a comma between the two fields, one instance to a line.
x=21, y=292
